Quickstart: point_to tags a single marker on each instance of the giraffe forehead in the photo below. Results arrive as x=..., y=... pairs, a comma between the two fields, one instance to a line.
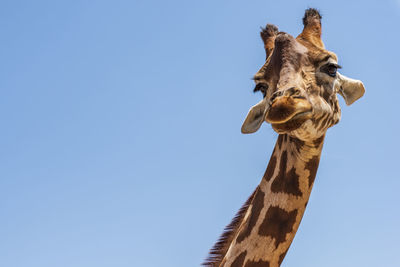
x=290, y=57
x=288, y=54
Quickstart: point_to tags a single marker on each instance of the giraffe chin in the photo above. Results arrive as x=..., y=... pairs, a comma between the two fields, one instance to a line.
x=293, y=123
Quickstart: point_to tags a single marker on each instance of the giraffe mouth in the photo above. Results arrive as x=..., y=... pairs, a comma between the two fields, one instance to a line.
x=293, y=122
x=294, y=116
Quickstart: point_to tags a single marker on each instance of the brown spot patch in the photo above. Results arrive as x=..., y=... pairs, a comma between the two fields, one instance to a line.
x=257, y=205
x=286, y=182
x=260, y=263
x=277, y=223
x=239, y=261
x=270, y=169
x=312, y=167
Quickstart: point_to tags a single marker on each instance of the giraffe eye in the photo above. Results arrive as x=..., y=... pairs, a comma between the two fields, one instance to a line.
x=330, y=69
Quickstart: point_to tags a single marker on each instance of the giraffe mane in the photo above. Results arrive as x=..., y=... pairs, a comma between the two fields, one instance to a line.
x=218, y=251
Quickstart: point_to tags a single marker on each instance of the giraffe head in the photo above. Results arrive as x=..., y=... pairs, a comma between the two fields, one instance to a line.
x=300, y=82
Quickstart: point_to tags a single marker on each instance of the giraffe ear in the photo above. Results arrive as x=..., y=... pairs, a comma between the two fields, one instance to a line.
x=350, y=89
x=255, y=117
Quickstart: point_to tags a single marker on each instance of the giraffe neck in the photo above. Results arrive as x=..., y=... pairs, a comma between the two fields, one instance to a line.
x=270, y=223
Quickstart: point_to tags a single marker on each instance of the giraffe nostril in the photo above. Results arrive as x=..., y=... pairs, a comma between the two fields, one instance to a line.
x=293, y=91
x=275, y=95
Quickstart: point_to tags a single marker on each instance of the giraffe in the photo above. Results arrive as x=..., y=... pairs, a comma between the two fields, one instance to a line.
x=299, y=83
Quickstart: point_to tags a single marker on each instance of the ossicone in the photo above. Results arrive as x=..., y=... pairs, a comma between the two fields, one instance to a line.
x=268, y=35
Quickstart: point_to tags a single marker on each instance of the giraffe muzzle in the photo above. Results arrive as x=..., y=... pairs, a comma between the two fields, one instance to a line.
x=286, y=108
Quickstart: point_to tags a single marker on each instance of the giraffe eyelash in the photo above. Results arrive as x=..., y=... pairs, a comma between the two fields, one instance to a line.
x=262, y=87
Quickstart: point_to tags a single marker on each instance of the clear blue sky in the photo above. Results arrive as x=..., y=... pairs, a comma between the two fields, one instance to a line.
x=120, y=137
